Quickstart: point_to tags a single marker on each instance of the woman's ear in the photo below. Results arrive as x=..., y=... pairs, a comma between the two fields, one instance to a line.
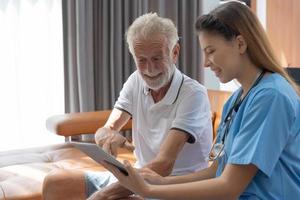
x=242, y=44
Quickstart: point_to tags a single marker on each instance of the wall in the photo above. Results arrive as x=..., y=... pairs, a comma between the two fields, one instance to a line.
x=283, y=28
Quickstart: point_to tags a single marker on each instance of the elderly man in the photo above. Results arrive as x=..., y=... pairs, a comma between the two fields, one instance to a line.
x=170, y=112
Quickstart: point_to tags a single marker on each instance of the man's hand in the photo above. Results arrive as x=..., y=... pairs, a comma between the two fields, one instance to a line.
x=110, y=140
x=112, y=192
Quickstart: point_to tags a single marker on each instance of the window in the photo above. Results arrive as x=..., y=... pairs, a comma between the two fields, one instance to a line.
x=31, y=71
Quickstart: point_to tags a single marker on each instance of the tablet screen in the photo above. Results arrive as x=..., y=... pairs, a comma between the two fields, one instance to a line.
x=99, y=155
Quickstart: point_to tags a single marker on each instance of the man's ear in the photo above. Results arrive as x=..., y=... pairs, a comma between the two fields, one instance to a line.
x=175, y=53
x=241, y=43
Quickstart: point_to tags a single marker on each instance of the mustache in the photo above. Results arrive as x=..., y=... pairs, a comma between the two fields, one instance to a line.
x=151, y=75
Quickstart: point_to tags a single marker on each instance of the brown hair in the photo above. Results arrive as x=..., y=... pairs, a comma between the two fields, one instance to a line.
x=232, y=19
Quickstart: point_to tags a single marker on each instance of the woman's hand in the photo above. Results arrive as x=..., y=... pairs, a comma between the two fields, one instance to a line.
x=152, y=177
x=134, y=181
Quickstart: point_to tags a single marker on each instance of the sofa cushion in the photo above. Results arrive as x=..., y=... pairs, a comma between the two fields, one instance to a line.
x=22, y=171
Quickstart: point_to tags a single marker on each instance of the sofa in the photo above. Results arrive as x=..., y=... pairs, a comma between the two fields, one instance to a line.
x=22, y=171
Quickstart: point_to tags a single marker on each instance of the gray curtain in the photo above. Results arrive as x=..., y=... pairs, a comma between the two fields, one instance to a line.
x=96, y=59
x=79, y=68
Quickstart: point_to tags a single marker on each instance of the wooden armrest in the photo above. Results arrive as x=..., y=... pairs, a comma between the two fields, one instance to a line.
x=79, y=123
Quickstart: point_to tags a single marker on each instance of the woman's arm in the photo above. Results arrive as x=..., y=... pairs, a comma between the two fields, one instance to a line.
x=230, y=185
x=207, y=173
x=154, y=178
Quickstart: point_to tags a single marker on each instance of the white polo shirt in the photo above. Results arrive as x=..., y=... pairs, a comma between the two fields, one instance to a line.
x=185, y=107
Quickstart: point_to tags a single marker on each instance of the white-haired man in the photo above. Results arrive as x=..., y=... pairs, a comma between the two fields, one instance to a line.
x=170, y=112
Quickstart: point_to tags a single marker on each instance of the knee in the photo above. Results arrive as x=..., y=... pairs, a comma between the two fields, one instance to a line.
x=53, y=182
x=64, y=184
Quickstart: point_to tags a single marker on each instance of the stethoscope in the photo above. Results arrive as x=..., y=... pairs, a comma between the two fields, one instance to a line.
x=217, y=149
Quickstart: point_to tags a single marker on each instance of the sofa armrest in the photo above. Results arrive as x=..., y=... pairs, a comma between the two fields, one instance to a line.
x=217, y=99
x=79, y=123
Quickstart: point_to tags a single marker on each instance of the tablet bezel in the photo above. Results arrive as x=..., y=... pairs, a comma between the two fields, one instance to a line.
x=99, y=155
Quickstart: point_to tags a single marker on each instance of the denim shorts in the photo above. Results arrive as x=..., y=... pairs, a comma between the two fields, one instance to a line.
x=95, y=181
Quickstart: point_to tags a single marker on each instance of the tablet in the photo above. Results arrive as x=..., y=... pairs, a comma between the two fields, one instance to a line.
x=99, y=155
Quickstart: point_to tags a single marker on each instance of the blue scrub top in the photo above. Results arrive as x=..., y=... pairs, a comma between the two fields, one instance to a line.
x=266, y=132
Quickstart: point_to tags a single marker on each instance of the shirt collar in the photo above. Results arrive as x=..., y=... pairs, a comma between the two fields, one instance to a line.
x=174, y=89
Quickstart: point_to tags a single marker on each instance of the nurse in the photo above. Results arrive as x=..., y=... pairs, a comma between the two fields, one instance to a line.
x=256, y=154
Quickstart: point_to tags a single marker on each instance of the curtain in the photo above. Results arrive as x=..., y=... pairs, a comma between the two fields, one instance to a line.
x=97, y=61
x=31, y=71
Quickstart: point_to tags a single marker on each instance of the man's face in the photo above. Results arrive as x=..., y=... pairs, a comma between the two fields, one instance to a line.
x=154, y=61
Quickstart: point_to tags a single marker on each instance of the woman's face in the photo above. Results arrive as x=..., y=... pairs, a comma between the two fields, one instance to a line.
x=223, y=57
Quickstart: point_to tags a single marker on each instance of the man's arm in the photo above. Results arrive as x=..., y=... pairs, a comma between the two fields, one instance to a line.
x=117, y=119
x=108, y=136
x=109, y=139
x=163, y=163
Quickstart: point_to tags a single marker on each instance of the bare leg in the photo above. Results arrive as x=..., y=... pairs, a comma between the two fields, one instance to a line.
x=63, y=184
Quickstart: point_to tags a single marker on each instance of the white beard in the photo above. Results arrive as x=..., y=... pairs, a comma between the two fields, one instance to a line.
x=161, y=81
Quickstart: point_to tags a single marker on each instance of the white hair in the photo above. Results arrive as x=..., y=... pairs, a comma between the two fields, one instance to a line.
x=147, y=25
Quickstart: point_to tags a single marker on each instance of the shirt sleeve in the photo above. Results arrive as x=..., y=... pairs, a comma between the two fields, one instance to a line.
x=264, y=132
x=125, y=98
x=193, y=116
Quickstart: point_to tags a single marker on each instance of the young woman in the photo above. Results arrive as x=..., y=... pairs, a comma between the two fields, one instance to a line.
x=257, y=151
